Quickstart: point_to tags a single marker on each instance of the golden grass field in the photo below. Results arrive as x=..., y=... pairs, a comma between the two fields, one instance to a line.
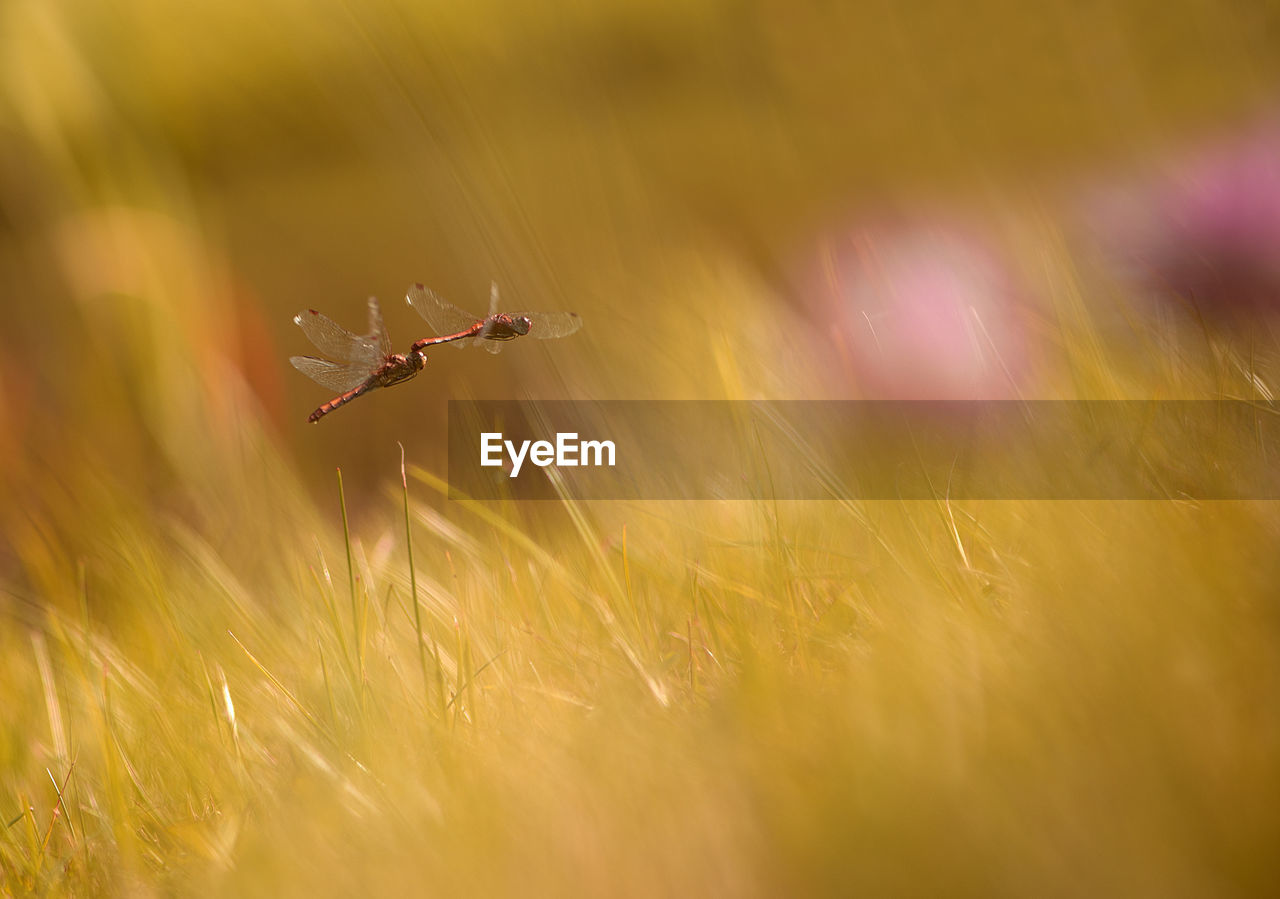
x=216, y=678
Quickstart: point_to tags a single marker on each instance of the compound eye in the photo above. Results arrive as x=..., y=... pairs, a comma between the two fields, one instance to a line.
x=521, y=325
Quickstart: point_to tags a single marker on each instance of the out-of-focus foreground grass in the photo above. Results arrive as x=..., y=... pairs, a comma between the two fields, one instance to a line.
x=206, y=688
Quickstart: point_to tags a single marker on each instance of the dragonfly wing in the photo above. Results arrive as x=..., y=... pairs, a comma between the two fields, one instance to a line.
x=493, y=298
x=442, y=315
x=545, y=325
x=493, y=346
x=334, y=340
x=337, y=376
x=377, y=330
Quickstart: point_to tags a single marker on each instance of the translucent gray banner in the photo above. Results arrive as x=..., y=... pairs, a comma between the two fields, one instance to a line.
x=807, y=450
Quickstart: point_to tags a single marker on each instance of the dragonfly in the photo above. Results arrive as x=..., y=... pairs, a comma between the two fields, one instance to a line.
x=365, y=361
x=457, y=326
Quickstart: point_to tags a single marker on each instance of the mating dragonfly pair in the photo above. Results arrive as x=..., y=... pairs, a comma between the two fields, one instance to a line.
x=365, y=362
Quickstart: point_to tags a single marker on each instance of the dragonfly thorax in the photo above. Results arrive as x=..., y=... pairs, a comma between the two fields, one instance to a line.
x=505, y=327
x=399, y=367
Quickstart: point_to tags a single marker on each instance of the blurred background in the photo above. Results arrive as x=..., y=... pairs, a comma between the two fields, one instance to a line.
x=742, y=199
x=739, y=197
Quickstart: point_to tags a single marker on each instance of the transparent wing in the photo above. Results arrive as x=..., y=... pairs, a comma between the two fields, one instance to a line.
x=546, y=325
x=493, y=346
x=493, y=298
x=442, y=315
x=337, y=376
x=378, y=330
x=334, y=340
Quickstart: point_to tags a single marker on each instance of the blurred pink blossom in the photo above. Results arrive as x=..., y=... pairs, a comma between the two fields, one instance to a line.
x=1205, y=228
x=920, y=309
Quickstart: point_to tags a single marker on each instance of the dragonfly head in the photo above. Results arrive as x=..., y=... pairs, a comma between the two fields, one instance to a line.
x=520, y=324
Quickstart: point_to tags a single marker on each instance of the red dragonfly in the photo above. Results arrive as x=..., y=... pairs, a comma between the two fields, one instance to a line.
x=366, y=361
x=454, y=324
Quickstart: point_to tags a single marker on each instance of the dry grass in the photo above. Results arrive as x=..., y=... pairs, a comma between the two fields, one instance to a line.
x=720, y=699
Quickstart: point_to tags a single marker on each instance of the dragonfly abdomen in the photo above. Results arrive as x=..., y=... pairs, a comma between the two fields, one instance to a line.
x=339, y=401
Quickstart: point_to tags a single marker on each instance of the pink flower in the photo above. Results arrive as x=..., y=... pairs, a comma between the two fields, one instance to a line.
x=920, y=309
x=1205, y=228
